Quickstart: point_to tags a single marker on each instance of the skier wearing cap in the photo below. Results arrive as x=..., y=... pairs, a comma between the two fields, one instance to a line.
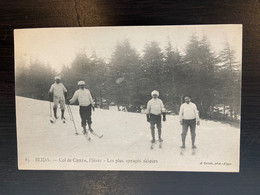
x=58, y=93
x=188, y=116
x=155, y=109
x=85, y=104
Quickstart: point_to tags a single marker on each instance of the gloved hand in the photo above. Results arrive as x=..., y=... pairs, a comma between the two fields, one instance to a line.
x=93, y=108
x=164, y=117
x=148, y=118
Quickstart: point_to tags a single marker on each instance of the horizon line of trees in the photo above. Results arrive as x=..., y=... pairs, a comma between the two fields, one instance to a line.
x=212, y=80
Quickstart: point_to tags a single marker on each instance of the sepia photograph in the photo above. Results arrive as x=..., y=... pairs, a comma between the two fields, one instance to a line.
x=130, y=98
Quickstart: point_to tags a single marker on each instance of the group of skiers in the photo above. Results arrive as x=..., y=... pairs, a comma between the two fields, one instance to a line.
x=188, y=114
x=58, y=93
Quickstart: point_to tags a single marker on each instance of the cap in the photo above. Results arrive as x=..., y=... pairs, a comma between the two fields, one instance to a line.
x=81, y=83
x=57, y=77
x=154, y=92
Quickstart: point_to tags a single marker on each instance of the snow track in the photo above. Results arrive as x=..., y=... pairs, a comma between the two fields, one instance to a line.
x=126, y=136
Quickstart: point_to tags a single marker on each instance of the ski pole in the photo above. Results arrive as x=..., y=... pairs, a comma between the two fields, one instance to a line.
x=69, y=112
x=72, y=120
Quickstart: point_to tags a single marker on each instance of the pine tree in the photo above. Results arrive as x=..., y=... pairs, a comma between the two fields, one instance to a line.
x=173, y=62
x=124, y=70
x=199, y=81
x=229, y=71
x=34, y=81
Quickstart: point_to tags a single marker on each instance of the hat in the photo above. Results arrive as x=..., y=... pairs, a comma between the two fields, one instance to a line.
x=154, y=92
x=57, y=77
x=81, y=83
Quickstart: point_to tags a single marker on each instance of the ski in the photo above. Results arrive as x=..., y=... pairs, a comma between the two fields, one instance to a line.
x=97, y=135
x=193, y=151
x=160, y=145
x=53, y=120
x=87, y=137
x=152, y=145
x=182, y=151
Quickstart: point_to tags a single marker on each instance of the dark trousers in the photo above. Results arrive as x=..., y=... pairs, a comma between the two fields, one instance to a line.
x=85, y=114
x=185, y=125
x=156, y=120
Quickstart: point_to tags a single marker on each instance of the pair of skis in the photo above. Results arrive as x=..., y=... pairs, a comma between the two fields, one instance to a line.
x=53, y=120
x=183, y=150
x=153, y=144
x=93, y=133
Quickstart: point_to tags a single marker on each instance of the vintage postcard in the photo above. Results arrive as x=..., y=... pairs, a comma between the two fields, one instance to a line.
x=139, y=98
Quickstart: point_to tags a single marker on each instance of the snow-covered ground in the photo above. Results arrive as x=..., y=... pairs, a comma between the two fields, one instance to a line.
x=124, y=146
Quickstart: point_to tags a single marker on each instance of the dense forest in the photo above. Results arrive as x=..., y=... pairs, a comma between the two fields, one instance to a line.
x=213, y=80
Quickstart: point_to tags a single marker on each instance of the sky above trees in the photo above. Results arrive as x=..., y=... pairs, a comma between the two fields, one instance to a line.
x=59, y=46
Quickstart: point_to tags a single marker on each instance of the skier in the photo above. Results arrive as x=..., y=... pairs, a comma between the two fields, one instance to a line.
x=85, y=105
x=188, y=117
x=155, y=109
x=58, y=93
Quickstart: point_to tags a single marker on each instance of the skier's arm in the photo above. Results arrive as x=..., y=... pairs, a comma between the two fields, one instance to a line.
x=197, y=114
x=51, y=89
x=50, y=96
x=64, y=89
x=65, y=95
x=51, y=93
x=181, y=114
x=91, y=99
x=74, y=98
x=148, y=111
x=148, y=117
x=163, y=111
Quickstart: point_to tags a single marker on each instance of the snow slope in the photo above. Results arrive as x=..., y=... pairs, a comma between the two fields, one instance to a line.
x=125, y=145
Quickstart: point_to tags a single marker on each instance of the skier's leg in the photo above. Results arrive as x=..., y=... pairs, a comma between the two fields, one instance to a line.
x=62, y=107
x=184, y=132
x=82, y=112
x=62, y=114
x=55, y=106
x=89, y=118
x=55, y=112
x=159, y=127
x=152, y=124
x=193, y=133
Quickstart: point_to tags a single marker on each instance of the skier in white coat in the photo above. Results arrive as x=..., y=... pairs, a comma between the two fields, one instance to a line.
x=188, y=117
x=58, y=94
x=155, y=109
x=86, y=104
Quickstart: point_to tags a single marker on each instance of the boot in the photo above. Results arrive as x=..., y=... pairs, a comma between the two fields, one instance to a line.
x=159, y=135
x=193, y=142
x=183, y=141
x=153, y=136
x=55, y=112
x=90, y=129
x=84, y=130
